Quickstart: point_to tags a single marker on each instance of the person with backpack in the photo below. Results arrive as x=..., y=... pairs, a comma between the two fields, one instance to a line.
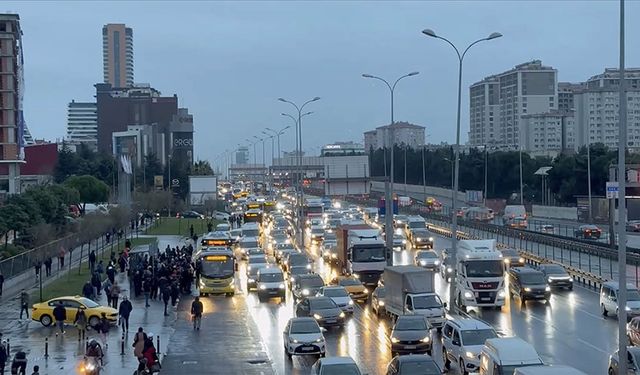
x=19, y=363
x=138, y=343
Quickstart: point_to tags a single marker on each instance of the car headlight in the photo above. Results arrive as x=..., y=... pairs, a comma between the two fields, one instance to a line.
x=404, y=242
x=281, y=286
x=350, y=302
x=426, y=339
x=549, y=279
x=319, y=340
x=334, y=256
x=547, y=289
x=418, y=239
x=90, y=366
x=293, y=341
x=380, y=303
x=317, y=317
x=501, y=294
x=449, y=269
x=365, y=291
x=292, y=279
x=468, y=294
x=507, y=260
x=248, y=268
x=423, y=263
x=308, y=266
x=431, y=239
x=470, y=355
x=356, y=275
x=250, y=280
x=263, y=287
x=305, y=292
x=521, y=260
x=627, y=308
x=342, y=315
x=394, y=340
x=437, y=262
x=527, y=289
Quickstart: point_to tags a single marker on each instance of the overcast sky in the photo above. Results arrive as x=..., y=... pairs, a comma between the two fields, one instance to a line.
x=228, y=62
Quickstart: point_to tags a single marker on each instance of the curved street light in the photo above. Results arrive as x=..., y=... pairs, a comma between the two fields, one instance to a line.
x=454, y=225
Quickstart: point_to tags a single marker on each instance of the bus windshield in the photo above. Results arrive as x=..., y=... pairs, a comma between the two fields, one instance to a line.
x=212, y=268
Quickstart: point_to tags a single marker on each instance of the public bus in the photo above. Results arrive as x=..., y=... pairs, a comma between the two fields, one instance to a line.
x=253, y=216
x=215, y=239
x=218, y=268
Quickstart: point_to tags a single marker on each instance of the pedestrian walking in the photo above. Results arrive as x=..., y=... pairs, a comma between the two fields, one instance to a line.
x=107, y=290
x=175, y=293
x=3, y=355
x=47, y=266
x=150, y=355
x=138, y=343
x=36, y=370
x=37, y=267
x=61, y=258
x=92, y=261
x=24, y=303
x=104, y=326
x=87, y=290
x=60, y=315
x=1, y=283
x=111, y=273
x=100, y=268
x=19, y=363
x=125, y=311
x=96, y=284
x=115, y=295
x=146, y=286
x=166, y=296
x=80, y=322
x=196, y=312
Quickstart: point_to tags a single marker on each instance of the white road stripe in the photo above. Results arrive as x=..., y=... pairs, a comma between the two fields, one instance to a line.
x=592, y=346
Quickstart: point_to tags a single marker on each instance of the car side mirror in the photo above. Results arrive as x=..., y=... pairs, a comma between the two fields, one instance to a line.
x=445, y=305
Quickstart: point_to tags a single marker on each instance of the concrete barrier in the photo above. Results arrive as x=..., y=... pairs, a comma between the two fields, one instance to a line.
x=568, y=213
x=417, y=192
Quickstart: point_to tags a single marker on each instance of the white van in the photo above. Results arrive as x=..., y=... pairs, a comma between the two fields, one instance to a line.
x=548, y=370
x=609, y=299
x=515, y=216
x=502, y=356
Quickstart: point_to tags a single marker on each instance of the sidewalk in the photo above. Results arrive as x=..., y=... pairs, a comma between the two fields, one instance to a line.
x=65, y=352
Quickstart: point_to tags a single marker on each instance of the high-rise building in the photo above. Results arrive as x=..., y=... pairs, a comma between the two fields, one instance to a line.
x=242, y=155
x=82, y=124
x=117, y=54
x=11, y=92
x=549, y=133
x=596, y=109
x=498, y=102
x=404, y=133
x=565, y=95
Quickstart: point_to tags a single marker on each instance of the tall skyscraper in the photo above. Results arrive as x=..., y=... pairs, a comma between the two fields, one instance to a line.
x=498, y=102
x=82, y=124
x=117, y=54
x=242, y=155
x=11, y=93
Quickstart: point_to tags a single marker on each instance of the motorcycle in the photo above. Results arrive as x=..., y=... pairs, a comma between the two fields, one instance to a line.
x=91, y=366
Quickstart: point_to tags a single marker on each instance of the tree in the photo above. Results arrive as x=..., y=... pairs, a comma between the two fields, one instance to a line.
x=202, y=168
x=15, y=219
x=90, y=189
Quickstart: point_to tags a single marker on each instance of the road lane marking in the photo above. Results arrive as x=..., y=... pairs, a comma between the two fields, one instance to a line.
x=592, y=346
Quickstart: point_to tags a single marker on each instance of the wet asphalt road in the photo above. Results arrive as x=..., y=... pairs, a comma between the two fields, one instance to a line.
x=569, y=330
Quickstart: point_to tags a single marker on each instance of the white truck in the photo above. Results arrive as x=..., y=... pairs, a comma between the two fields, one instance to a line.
x=361, y=252
x=410, y=290
x=480, y=274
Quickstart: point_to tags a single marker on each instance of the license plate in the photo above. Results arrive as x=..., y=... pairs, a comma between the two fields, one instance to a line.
x=307, y=349
x=331, y=320
x=273, y=292
x=409, y=347
x=485, y=299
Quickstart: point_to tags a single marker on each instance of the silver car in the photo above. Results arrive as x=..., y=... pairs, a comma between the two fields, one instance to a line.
x=428, y=259
x=340, y=296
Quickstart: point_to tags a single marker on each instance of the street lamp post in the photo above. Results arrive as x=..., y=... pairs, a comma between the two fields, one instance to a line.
x=389, y=190
x=299, y=155
x=521, y=185
x=589, y=177
x=454, y=225
x=281, y=131
x=486, y=171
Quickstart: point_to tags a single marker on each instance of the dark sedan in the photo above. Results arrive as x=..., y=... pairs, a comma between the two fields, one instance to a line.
x=413, y=364
x=191, y=215
x=411, y=334
x=322, y=309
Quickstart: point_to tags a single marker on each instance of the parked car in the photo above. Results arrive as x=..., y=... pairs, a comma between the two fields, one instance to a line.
x=191, y=215
x=588, y=232
x=43, y=312
x=223, y=216
x=633, y=226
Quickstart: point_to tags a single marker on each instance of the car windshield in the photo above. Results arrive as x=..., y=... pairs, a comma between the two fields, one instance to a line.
x=427, y=302
x=279, y=237
x=304, y=327
x=250, y=243
x=369, y=254
x=340, y=369
x=554, y=270
x=411, y=324
x=532, y=278
x=421, y=233
x=484, y=268
x=322, y=304
x=478, y=336
x=255, y=251
x=427, y=255
x=312, y=282
x=257, y=259
x=416, y=224
x=350, y=282
x=633, y=295
x=271, y=277
x=317, y=231
x=88, y=303
x=298, y=260
x=510, y=253
x=330, y=237
x=426, y=367
x=335, y=292
x=380, y=292
x=298, y=270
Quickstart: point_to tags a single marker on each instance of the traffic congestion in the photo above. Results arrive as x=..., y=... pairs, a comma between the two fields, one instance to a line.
x=344, y=304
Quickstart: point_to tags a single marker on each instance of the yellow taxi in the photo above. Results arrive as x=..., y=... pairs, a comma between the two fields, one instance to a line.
x=43, y=311
x=356, y=289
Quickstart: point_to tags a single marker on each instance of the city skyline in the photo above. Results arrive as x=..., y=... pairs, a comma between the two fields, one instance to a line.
x=219, y=81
